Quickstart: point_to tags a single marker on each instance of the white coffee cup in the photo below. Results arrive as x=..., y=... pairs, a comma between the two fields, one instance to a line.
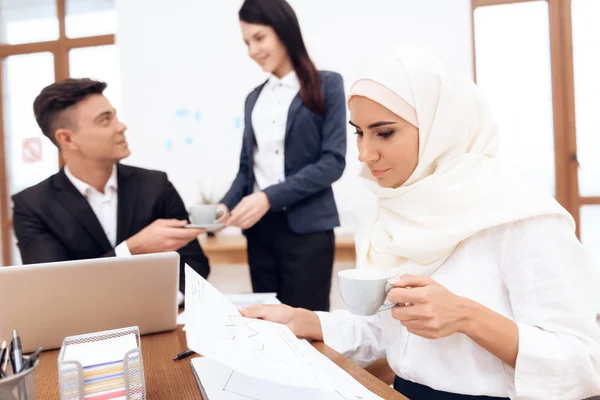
x=364, y=291
x=206, y=214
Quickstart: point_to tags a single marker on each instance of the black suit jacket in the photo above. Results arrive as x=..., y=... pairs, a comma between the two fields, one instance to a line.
x=315, y=157
x=54, y=222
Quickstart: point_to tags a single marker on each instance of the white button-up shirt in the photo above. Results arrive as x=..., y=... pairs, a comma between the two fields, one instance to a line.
x=269, y=121
x=534, y=272
x=104, y=206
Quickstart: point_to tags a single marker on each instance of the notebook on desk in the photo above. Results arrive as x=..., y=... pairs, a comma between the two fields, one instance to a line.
x=50, y=301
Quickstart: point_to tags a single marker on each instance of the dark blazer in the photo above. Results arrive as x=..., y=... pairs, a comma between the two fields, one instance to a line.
x=54, y=222
x=315, y=157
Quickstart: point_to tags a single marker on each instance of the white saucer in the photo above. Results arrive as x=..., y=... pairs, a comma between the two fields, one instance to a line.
x=206, y=227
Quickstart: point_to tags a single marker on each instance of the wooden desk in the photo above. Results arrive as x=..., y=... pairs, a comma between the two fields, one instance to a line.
x=167, y=379
x=231, y=249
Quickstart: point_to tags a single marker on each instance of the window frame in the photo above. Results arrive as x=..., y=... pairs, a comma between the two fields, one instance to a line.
x=563, y=101
x=60, y=50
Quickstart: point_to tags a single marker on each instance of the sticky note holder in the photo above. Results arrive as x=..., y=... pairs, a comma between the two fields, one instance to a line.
x=71, y=373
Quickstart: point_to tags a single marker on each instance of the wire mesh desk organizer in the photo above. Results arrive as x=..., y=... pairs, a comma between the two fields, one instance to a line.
x=103, y=365
x=19, y=386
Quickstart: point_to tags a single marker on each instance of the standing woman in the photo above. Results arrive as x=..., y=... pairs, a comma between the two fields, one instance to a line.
x=293, y=149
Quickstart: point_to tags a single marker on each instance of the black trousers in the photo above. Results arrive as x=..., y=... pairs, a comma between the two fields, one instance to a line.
x=296, y=267
x=416, y=391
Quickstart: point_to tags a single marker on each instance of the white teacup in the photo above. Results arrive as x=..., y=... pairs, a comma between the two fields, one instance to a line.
x=206, y=214
x=364, y=291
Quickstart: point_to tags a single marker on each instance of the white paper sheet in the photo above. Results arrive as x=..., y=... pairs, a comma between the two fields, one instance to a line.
x=100, y=352
x=256, y=348
x=247, y=299
x=222, y=383
x=181, y=319
x=240, y=300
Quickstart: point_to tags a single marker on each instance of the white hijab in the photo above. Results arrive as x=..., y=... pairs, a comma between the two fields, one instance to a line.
x=458, y=188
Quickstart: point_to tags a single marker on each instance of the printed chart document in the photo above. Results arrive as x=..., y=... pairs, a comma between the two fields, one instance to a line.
x=258, y=349
x=219, y=382
x=241, y=300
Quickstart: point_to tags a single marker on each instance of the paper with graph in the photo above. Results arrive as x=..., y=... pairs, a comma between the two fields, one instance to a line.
x=259, y=349
x=220, y=382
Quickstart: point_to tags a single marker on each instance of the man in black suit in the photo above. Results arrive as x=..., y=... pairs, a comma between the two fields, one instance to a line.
x=94, y=206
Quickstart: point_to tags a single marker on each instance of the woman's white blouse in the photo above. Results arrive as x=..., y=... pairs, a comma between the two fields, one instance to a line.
x=533, y=272
x=269, y=121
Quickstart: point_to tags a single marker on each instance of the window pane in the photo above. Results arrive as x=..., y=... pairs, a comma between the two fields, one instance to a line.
x=90, y=18
x=30, y=156
x=102, y=63
x=513, y=69
x=27, y=21
x=586, y=64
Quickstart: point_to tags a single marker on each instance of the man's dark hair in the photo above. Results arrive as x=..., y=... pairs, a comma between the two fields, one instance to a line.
x=50, y=105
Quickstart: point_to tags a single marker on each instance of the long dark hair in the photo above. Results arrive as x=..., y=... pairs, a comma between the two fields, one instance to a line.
x=279, y=15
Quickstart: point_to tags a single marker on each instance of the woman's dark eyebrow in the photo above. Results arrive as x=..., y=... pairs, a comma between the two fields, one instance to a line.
x=375, y=124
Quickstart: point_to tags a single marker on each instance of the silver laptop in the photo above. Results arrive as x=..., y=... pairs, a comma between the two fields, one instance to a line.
x=50, y=301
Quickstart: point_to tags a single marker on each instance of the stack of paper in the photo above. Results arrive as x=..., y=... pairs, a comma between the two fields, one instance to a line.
x=103, y=367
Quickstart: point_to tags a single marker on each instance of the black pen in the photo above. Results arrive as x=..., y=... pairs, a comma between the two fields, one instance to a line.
x=4, y=365
x=184, y=354
x=30, y=361
x=2, y=355
x=16, y=353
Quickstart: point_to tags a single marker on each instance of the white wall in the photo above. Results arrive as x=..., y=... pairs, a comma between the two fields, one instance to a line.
x=189, y=56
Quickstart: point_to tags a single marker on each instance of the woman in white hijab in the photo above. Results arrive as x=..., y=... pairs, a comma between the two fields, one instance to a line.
x=497, y=295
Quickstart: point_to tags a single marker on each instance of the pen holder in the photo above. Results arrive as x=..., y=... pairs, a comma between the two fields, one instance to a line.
x=20, y=386
x=129, y=382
